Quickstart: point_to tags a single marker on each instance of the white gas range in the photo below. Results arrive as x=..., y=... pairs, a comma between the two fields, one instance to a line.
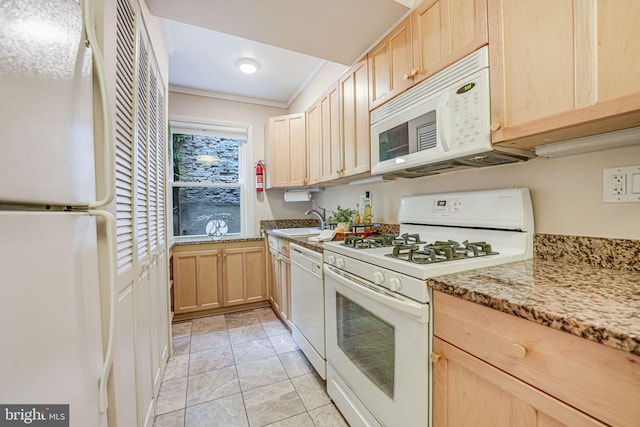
x=378, y=317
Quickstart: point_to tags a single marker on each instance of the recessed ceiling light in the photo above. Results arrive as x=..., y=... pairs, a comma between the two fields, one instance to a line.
x=248, y=66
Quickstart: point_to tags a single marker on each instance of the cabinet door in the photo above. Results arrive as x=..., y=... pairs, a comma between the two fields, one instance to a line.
x=390, y=62
x=196, y=279
x=445, y=31
x=288, y=164
x=330, y=135
x=244, y=276
x=275, y=294
x=354, y=120
x=314, y=147
x=562, y=69
x=285, y=286
x=468, y=391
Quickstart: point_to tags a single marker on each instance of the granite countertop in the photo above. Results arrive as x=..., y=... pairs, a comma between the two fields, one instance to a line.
x=598, y=304
x=298, y=240
x=204, y=240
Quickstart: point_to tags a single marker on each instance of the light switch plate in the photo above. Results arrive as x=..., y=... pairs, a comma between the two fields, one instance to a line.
x=621, y=184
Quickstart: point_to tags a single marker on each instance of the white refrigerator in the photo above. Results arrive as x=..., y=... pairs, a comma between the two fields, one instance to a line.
x=53, y=349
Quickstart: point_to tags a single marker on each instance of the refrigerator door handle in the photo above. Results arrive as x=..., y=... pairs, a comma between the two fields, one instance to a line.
x=108, y=357
x=108, y=155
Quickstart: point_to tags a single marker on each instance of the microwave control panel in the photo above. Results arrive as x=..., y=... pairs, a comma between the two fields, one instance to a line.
x=465, y=103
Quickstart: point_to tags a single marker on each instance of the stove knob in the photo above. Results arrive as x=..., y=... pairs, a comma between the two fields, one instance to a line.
x=340, y=263
x=331, y=259
x=395, y=284
x=378, y=278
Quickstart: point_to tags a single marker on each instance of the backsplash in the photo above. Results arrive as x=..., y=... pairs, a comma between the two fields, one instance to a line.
x=620, y=254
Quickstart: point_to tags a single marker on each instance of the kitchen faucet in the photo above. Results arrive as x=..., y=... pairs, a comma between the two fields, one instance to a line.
x=320, y=215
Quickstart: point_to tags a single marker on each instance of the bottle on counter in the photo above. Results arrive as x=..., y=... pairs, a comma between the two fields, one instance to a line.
x=356, y=218
x=367, y=209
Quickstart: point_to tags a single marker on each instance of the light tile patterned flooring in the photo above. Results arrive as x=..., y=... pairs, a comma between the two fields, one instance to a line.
x=241, y=369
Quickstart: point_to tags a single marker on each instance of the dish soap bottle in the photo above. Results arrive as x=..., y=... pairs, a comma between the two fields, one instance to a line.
x=367, y=209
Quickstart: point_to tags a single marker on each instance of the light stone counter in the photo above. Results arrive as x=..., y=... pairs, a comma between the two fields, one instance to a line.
x=595, y=303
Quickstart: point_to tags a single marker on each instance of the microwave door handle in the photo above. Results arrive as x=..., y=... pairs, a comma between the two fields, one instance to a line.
x=443, y=121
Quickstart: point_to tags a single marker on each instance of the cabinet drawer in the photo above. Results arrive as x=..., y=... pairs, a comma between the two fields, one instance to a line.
x=273, y=243
x=278, y=245
x=598, y=380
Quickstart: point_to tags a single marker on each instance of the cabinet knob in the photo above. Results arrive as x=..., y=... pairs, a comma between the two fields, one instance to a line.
x=495, y=126
x=518, y=350
x=413, y=72
x=405, y=76
x=435, y=357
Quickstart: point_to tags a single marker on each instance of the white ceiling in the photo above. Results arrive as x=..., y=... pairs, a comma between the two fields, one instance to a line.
x=290, y=39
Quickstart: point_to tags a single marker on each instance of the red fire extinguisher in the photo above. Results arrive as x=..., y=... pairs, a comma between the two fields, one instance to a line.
x=260, y=176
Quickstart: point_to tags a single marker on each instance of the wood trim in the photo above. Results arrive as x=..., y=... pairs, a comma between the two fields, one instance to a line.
x=621, y=113
x=496, y=70
x=222, y=310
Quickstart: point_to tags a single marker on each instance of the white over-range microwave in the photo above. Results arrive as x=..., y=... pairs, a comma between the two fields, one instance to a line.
x=441, y=124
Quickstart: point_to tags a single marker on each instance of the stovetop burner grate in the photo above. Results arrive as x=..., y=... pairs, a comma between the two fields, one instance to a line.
x=440, y=251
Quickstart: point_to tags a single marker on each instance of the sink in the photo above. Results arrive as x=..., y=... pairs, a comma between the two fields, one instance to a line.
x=312, y=231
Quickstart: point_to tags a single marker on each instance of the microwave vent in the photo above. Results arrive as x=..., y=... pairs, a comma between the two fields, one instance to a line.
x=427, y=136
x=489, y=158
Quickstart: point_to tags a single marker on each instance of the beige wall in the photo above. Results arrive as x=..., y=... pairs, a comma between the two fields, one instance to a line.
x=268, y=204
x=566, y=193
x=318, y=85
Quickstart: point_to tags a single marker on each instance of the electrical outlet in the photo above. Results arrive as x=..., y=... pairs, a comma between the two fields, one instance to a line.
x=621, y=185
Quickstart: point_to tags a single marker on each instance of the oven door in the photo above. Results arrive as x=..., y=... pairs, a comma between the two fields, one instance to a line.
x=377, y=350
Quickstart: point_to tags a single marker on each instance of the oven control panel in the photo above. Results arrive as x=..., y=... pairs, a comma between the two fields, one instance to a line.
x=448, y=205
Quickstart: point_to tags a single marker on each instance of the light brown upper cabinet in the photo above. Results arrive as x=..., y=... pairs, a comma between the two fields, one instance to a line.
x=562, y=69
x=287, y=164
x=354, y=121
x=445, y=31
x=436, y=34
x=314, y=147
x=330, y=135
x=389, y=62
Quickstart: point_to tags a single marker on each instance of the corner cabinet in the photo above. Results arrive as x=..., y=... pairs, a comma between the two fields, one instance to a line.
x=286, y=147
x=562, y=69
x=491, y=368
x=218, y=275
x=436, y=34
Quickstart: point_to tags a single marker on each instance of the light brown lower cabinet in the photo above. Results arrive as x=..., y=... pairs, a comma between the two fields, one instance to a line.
x=206, y=278
x=470, y=392
x=244, y=276
x=495, y=369
x=280, y=278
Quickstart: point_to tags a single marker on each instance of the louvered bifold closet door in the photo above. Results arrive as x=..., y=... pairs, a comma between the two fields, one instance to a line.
x=160, y=156
x=123, y=406
x=142, y=145
x=153, y=157
x=124, y=111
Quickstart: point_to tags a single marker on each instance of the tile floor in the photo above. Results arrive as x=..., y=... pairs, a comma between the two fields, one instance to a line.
x=241, y=369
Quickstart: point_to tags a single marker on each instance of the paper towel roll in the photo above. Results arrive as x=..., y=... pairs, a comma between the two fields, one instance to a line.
x=297, y=196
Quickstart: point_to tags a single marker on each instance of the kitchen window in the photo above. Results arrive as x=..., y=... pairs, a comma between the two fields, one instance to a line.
x=210, y=175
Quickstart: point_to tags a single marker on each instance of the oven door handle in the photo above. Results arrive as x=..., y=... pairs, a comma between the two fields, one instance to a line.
x=405, y=305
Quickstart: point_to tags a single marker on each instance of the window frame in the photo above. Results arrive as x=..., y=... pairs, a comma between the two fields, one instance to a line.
x=241, y=131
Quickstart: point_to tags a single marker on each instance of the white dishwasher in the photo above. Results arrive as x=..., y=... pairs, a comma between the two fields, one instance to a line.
x=307, y=305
